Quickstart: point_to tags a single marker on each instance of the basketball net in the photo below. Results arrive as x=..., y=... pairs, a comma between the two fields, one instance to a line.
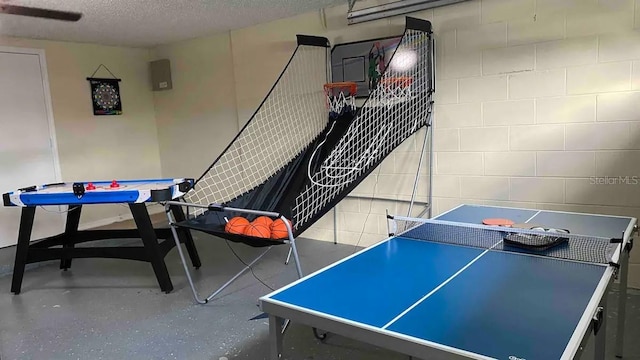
x=341, y=98
x=339, y=168
x=394, y=89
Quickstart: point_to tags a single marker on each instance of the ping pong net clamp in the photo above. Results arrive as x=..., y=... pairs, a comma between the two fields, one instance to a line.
x=627, y=247
x=391, y=225
x=340, y=98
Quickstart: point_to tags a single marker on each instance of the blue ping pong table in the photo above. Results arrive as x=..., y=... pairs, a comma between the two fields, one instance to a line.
x=435, y=300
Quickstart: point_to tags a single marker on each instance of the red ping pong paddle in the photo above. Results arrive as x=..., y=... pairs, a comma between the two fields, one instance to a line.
x=497, y=222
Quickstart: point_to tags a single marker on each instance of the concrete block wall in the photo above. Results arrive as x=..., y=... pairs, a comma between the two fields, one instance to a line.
x=537, y=106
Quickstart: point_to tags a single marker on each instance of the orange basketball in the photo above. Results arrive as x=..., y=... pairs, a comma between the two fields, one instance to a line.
x=257, y=230
x=236, y=225
x=279, y=229
x=265, y=220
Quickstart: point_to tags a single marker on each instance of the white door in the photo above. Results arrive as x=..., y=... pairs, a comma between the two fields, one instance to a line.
x=27, y=144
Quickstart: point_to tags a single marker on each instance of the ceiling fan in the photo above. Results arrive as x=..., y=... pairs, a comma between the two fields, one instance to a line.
x=39, y=12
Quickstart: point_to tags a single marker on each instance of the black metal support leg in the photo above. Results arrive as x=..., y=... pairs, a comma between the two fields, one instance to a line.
x=70, y=231
x=150, y=241
x=22, y=249
x=185, y=236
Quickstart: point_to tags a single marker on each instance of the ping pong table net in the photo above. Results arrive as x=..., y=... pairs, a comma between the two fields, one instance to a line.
x=558, y=245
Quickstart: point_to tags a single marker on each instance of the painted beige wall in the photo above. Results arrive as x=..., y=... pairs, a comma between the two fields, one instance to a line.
x=100, y=147
x=260, y=53
x=197, y=118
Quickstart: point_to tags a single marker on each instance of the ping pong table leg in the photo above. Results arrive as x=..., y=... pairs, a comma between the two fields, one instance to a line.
x=150, y=241
x=601, y=330
x=622, y=301
x=275, y=336
x=70, y=230
x=22, y=249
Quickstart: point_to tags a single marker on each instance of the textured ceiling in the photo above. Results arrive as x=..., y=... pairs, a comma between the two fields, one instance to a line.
x=145, y=23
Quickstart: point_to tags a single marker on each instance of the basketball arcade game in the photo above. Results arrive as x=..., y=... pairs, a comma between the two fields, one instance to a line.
x=326, y=146
x=382, y=71
x=134, y=193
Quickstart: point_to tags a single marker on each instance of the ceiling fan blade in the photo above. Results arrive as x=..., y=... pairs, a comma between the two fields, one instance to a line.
x=39, y=13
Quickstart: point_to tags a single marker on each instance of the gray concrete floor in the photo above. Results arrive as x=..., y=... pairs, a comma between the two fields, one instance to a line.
x=113, y=309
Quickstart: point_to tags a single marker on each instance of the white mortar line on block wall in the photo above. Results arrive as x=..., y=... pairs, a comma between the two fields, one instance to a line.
x=565, y=81
x=506, y=34
x=595, y=108
x=564, y=137
x=455, y=41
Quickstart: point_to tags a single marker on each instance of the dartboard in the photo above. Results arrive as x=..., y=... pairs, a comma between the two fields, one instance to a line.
x=106, y=96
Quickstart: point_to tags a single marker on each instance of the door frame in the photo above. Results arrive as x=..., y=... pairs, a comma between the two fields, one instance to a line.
x=47, y=99
x=42, y=59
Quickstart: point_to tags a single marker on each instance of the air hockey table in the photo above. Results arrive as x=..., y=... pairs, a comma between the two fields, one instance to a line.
x=74, y=195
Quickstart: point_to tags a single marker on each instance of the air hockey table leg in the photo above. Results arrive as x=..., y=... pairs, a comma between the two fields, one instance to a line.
x=70, y=231
x=150, y=241
x=22, y=249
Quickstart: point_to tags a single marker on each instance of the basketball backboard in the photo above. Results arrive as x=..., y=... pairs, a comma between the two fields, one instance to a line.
x=362, y=62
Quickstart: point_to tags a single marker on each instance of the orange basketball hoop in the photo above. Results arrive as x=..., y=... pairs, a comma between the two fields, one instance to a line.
x=341, y=97
x=394, y=88
x=399, y=81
